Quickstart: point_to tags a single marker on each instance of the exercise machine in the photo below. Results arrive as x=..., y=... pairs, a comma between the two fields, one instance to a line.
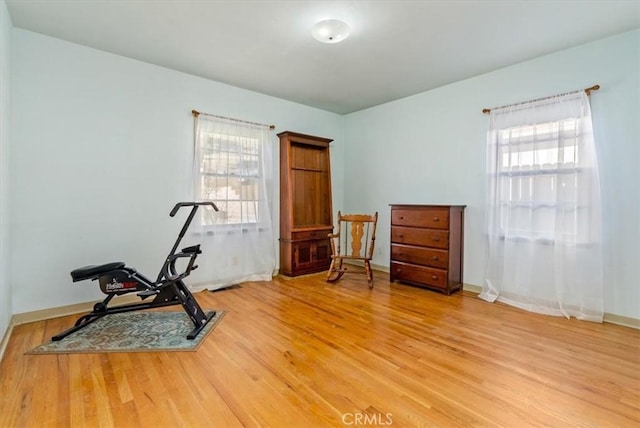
x=168, y=289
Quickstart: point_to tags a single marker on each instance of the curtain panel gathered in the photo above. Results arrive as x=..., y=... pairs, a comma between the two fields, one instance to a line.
x=232, y=167
x=544, y=210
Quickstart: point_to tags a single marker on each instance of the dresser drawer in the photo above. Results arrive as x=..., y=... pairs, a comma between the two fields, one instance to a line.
x=424, y=237
x=419, y=274
x=310, y=234
x=434, y=218
x=420, y=256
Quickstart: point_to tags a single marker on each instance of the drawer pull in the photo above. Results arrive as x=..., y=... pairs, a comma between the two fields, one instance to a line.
x=436, y=219
x=434, y=277
x=401, y=217
x=435, y=239
x=434, y=258
x=401, y=236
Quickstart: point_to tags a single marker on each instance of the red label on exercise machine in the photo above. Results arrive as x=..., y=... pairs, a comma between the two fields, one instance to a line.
x=115, y=285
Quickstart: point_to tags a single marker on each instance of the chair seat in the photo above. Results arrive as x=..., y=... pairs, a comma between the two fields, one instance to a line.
x=350, y=257
x=94, y=271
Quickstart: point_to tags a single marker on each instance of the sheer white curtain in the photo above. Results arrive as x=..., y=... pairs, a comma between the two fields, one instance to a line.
x=233, y=168
x=544, y=210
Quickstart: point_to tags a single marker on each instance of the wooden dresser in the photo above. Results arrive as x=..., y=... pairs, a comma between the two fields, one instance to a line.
x=427, y=245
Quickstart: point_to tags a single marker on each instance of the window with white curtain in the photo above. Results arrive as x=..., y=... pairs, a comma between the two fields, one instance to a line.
x=230, y=176
x=233, y=167
x=544, y=237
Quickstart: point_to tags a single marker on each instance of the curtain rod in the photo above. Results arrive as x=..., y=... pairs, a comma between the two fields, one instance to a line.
x=587, y=90
x=196, y=113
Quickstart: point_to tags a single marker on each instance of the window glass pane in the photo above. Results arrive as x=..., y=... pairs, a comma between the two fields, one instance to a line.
x=538, y=166
x=230, y=173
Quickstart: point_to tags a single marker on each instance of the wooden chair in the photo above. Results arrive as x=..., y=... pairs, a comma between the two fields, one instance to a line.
x=354, y=240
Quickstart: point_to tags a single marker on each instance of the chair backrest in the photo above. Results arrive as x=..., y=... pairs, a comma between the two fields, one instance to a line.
x=356, y=235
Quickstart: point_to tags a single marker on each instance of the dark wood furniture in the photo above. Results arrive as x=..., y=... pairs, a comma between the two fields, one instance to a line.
x=354, y=240
x=306, y=216
x=427, y=245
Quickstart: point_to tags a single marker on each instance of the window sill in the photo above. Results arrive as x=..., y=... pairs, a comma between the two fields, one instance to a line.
x=229, y=230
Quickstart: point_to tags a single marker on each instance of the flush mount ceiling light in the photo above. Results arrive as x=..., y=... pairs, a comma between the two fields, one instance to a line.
x=330, y=31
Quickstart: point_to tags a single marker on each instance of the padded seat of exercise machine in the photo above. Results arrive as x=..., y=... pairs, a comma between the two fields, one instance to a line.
x=93, y=271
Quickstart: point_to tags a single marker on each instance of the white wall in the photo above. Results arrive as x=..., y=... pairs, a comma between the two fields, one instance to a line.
x=98, y=154
x=430, y=148
x=5, y=135
x=101, y=144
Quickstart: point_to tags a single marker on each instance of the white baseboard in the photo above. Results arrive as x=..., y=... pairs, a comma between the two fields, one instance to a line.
x=608, y=318
x=622, y=320
x=61, y=311
x=5, y=338
x=471, y=288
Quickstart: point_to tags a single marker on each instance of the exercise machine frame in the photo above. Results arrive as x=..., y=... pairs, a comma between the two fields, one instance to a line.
x=116, y=279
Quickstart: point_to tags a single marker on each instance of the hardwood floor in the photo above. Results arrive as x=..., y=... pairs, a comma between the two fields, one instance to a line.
x=304, y=353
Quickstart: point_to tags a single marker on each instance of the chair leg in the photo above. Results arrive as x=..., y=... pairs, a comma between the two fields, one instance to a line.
x=337, y=270
x=367, y=268
x=333, y=261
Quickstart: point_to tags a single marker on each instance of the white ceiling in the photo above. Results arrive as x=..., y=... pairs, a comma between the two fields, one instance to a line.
x=396, y=48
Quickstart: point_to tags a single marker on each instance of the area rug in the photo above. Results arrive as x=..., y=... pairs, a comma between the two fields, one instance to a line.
x=132, y=332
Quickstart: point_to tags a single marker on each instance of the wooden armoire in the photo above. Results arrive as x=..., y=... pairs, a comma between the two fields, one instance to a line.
x=306, y=215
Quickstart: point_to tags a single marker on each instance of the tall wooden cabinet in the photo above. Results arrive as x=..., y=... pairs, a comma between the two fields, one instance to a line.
x=427, y=245
x=306, y=215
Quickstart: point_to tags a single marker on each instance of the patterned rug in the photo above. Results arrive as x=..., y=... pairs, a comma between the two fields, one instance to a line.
x=132, y=332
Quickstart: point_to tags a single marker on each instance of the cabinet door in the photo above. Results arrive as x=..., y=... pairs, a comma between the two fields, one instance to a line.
x=311, y=255
x=323, y=252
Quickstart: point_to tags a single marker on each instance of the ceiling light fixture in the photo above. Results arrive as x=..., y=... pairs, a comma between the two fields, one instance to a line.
x=330, y=31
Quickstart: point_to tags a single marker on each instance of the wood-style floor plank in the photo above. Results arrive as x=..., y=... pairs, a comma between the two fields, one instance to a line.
x=302, y=352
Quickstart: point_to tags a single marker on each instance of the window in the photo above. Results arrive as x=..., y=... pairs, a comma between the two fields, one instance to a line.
x=537, y=147
x=539, y=175
x=544, y=233
x=230, y=176
x=232, y=167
